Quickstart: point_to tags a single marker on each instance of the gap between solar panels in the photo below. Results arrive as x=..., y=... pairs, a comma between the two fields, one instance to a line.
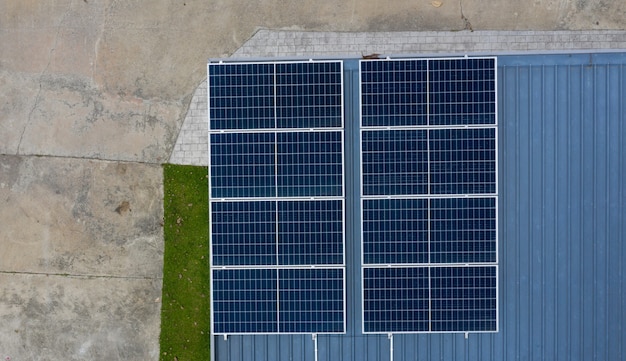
x=428, y=196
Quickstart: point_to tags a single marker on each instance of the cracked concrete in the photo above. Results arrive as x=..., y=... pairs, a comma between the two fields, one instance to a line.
x=468, y=25
x=92, y=98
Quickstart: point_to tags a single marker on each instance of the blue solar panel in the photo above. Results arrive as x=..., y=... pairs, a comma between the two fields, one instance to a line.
x=245, y=301
x=413, y=92
x=311, y=300
x=438, y=161
x=429, y=195
x=462, y=91
x=277, y=233
x=395, y=162
x=310, y=164
x=464, y=298
x=430, y=299
x=463, y=161
x=275, y=95
x=278, y=300
x=310, y=232
x=463, y=230
x=395, y=231
x=396, y=299
x=241, y=96
x=243, y=165
x=283, y=164
x=277, y=197
x=394, y=93
x=309, y=95
x=243, y=233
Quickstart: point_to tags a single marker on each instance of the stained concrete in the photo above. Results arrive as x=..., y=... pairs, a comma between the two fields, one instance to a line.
x=81, y=261
x=80, y=217
x=92, y=96
x=78, y=318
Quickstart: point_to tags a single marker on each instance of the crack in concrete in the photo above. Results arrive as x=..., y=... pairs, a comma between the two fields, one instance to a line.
x=88, y=276
x=468, y=25
x=41, y=75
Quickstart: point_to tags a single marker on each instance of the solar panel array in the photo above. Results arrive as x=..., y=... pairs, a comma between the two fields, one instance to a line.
x=277, y=197
x=429, y=195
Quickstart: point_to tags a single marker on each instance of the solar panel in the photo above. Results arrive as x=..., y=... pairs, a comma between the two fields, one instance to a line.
x=394, y=93
x=277, y=197
x=462, y=91
x=311, y=300
x=395, y=162
x=429, y=195
x=244, y=300
x=243, y=165
x=462, y=161
x=310, y=164
x=463, y=230
x=396, y=299
x=310, y=232
x=395, y=231
x=463, y=298
x=243, y=233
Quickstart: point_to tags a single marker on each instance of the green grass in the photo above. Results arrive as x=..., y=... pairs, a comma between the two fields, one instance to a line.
x=185, y=321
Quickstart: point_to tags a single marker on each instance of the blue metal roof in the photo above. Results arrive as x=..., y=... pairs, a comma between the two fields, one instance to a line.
x=562, y=226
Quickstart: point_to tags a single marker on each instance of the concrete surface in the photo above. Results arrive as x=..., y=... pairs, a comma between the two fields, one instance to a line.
x=78, y=318
x=81, y=260
x=93, y=95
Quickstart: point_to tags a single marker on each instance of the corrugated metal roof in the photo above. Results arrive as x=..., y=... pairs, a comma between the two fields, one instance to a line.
x=562, y=186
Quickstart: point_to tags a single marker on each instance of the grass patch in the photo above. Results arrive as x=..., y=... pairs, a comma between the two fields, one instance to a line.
x=185, y=321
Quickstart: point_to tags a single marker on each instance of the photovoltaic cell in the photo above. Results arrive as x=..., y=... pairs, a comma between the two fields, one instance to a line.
x=277, y=233
x=429, y=195
x=308, y=95
x=412, y=92
x=267, y=300
x=282, y=95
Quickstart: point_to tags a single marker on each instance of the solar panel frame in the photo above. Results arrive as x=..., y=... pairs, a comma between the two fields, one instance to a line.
x=429, y=196
x=329, y=121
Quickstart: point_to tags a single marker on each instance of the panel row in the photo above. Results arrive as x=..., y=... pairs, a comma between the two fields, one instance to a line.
x=278, y=233
x=435, y=161
x=276, y=164
x=430, y=299
x=420, y=231
x=436, y=92
x=275, y=95
x=278, y=301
